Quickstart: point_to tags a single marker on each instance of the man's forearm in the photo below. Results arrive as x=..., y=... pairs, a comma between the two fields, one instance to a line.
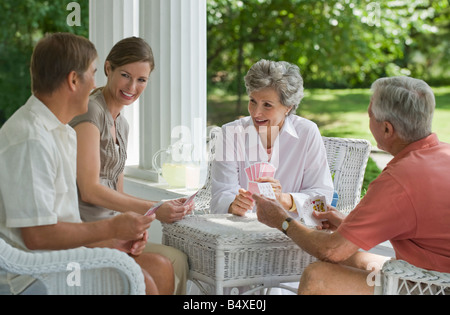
x=325, y=246
x=68, y=235
x=331, y=247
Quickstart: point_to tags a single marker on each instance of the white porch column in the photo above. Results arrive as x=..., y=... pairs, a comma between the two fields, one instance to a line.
x=173, y=107
x=109, y=22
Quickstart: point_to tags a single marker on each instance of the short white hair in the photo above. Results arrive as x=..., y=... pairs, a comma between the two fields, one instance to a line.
x=283, y=76
x=407, y=103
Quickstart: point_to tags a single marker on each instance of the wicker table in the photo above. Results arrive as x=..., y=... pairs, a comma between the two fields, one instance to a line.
x=227, y=251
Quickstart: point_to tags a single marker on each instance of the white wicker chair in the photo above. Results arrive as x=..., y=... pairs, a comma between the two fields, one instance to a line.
x=347, y=159
x=228, y=251
x=102, y=270
x=402, y=278
x=203, y=198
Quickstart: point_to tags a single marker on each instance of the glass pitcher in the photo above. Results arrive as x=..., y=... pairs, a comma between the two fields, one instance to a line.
x=176, y=166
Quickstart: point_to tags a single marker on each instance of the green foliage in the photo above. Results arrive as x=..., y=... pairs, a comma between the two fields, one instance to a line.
x=336, y=43
x=22, y=24
x=372, y=172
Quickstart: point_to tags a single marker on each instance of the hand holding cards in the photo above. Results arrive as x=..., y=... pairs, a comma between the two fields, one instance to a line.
x=316, y=203
x=188, y=201
x=256, y=171
x=153, y=209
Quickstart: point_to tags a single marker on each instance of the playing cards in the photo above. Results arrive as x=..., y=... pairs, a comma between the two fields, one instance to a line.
x=256, y=171
x=190, y=199
x=264, y=189
x=153, y=209
x=316, y=203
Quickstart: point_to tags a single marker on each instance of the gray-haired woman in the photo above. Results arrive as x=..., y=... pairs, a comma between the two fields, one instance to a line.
x=272, y=133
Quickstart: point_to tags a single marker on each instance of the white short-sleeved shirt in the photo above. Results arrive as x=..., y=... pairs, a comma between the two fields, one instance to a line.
x=37, y=172
x=298, y=154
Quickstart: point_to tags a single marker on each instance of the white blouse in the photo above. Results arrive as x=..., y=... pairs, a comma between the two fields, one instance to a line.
x=298, y=155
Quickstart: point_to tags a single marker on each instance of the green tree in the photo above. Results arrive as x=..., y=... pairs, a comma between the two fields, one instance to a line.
x=336, y=43
x=22, y=24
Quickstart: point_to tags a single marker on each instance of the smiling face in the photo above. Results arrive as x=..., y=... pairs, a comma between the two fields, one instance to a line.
x=126, y=83
x=266, y=109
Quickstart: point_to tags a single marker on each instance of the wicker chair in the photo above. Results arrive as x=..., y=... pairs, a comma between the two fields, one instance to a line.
x=203, y=198
x=229, y=251
x=101, y=270
x=347, y=159
x=402, y=278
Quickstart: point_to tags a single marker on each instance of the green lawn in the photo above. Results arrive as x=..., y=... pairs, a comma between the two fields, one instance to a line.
x=343, y=113
x=338, y=113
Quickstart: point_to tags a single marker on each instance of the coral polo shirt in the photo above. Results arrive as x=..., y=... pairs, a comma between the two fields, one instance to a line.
x=409, y=205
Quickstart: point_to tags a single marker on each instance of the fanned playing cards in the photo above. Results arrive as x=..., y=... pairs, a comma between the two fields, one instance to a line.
x=316, y=203
x=257, y=170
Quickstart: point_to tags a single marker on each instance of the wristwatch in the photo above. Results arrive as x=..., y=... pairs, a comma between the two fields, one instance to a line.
x=285, y=225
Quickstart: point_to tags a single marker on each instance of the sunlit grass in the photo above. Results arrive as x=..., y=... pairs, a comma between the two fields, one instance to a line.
x=338, y=113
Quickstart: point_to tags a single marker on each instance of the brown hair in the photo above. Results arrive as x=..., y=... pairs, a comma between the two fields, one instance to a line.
x=57, y=55
x=130, y=50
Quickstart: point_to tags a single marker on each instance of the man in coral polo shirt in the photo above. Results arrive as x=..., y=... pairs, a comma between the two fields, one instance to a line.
x=407, y=204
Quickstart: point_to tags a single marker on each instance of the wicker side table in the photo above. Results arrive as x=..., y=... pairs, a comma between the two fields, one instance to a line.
x=227, y=251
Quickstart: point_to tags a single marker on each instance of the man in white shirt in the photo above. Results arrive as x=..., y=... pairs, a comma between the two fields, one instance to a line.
x=38, y=193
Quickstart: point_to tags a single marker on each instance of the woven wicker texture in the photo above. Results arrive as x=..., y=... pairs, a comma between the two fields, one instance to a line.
x=347, y=159
x=203, y=198
x=102, y=270
x=228, y=251
x=400, y=277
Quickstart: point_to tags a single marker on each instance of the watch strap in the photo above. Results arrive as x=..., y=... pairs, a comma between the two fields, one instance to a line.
x=285, y=224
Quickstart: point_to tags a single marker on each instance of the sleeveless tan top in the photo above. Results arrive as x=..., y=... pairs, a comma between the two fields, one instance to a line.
x=112, y=155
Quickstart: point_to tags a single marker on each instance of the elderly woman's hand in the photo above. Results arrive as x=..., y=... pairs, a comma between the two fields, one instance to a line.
x=242, y=203
x=283, y=198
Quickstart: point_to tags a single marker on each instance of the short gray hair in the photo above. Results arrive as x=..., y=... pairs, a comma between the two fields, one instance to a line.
x=283, y=76
x=407, y=103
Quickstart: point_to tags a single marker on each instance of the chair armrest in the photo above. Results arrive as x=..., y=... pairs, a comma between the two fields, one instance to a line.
x=400, y=277
x=76, y=271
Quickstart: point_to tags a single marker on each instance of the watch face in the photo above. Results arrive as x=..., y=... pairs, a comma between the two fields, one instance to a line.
x=285, y=225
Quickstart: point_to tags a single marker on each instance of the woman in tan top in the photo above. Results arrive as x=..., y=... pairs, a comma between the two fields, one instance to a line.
x=102, y=135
